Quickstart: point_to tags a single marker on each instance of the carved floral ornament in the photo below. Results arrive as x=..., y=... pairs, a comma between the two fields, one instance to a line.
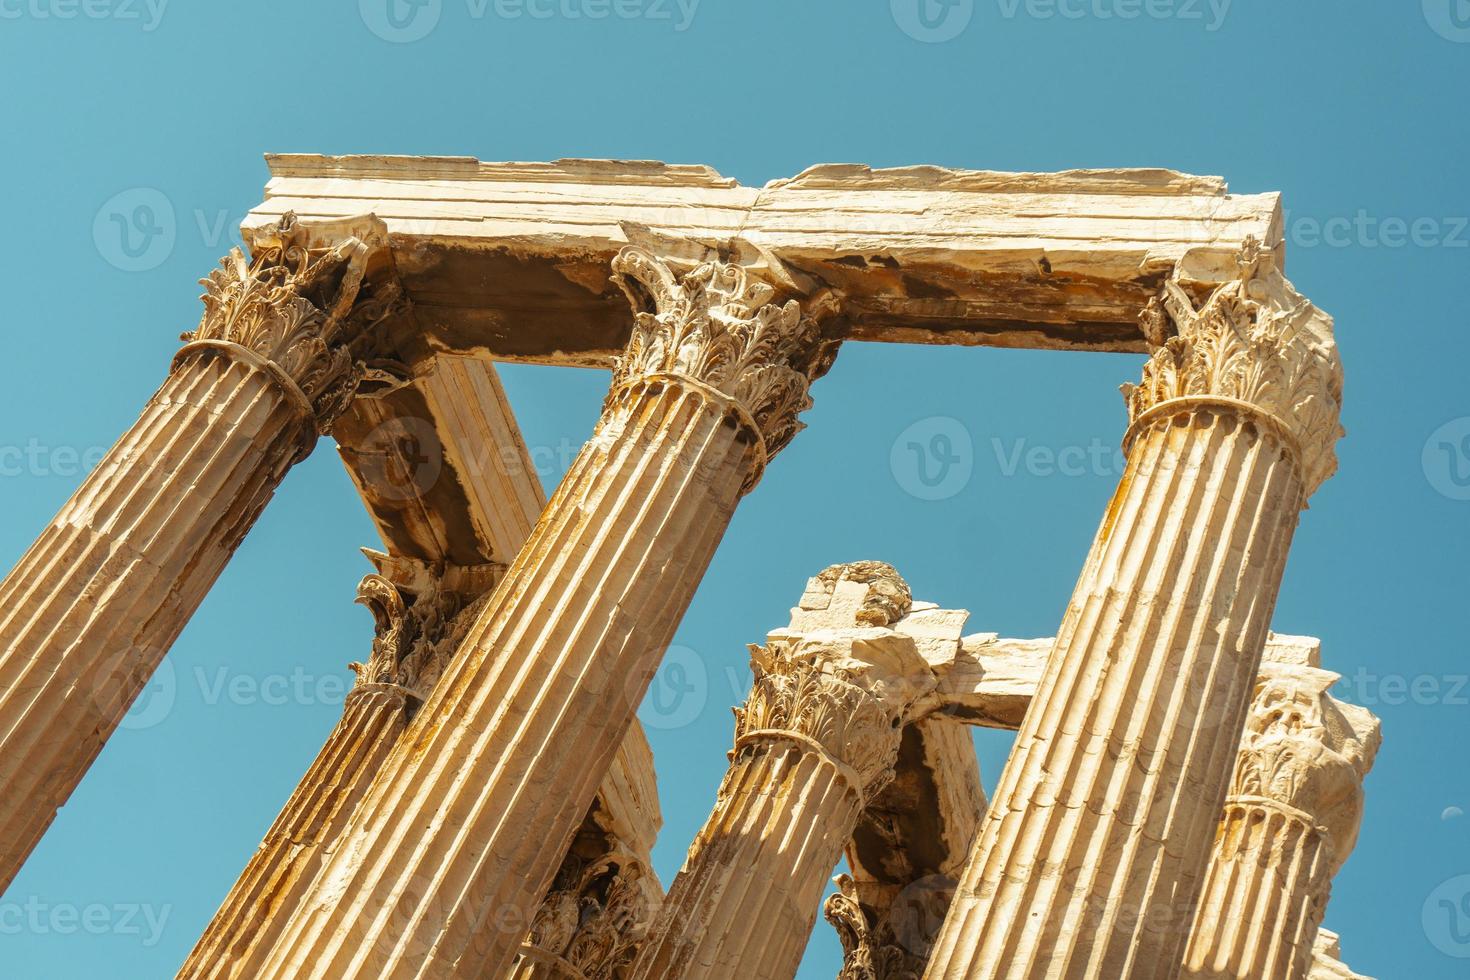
x=596, y=916
x=718, y=326
x=1255, y=343
x=871, y=950
x=854, y=715
x=1300, y=754
x=846, y=690
x=417, y=633
x=307, y=314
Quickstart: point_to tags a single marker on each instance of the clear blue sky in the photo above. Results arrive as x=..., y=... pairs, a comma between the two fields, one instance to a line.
x=1355, y=110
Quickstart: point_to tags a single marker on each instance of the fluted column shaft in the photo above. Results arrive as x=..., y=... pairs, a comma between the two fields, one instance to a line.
x=1091, y=859
x=1107, y=804
x=1292, y=817
x=1264, y=895
x=443, y=866
x=308, y=825
x=817, y=737
x=518, y=745
x=93, y=606
x=748, y=897
x=420, y=617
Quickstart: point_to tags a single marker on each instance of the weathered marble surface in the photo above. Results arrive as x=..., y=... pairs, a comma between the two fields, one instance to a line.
x=511, y=259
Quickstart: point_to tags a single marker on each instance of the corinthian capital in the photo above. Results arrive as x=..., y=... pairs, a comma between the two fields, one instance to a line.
x=596, y=916
x=847, y=682
x=874, y=945
x=719, y=326
x=1307, y=753
x=421, y=614
x=1254, y=343
x=305, y=312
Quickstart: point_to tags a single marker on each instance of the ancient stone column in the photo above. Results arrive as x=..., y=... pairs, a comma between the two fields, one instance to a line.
x=1290, y=822
x=592, y=924
x=445, y=863
x=884, y=942
x=1092, y=856
x=93, y=606
x=421, y=615
x=907, y=853
x=817, y=738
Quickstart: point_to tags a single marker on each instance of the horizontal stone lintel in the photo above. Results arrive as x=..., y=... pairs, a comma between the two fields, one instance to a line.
x=511, y=260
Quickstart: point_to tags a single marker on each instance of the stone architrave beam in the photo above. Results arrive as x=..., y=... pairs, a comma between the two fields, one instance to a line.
x=510, y=260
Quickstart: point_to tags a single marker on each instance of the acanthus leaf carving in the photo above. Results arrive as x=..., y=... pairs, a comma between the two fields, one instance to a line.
x=1256, y=341
x=869, y=951
x=418, y=632
x=1293, y=753
x=720, y=326
x=596, y=915
x=310, y=313
x=796, y=692
x=848, y=685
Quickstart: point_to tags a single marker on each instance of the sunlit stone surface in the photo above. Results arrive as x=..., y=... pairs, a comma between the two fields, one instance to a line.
x=1183, y=787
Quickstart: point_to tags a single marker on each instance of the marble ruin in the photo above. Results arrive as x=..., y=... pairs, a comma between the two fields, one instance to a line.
x=1183, y=786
